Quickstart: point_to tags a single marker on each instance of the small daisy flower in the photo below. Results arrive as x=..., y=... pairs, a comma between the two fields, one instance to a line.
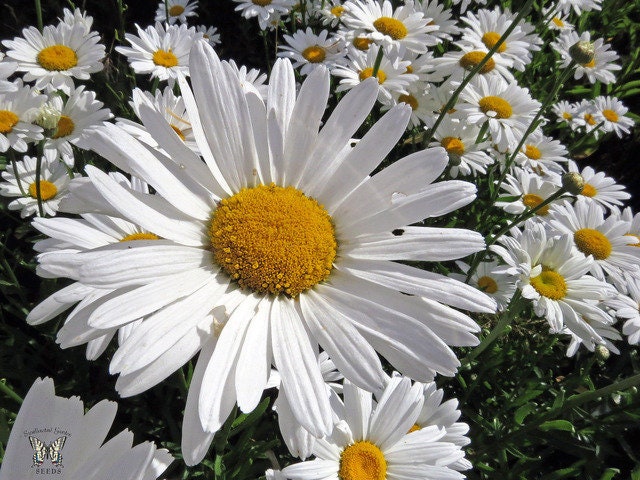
x=531, y=191
x=405, y=26
x=210, y=34
x=78, y=116
x=176, y=11
x=57, y=55
x=605, y=239
x=611, y=112
x=586, y=117
x=437, y=99
x=251, y=80
x=416, y=97
x=491, y=278
x=78, y=438
x=18, y=109
x=601, y=67
x=566, y=112
x=508, y=108
x=599, y=188
x=542, y=154
x=455, y=65
x=466, y=157
x=267, y=11
x=371, y=440
x=308, y=50
x=578, y=6
x=331, y=13
x=77, y=17
x=160, y=52
x=7, y=68
x=558, y=19
x=447, y=28
x=54, y=180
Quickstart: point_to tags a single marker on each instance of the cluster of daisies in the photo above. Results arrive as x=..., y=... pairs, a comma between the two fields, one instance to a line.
x=242, y=221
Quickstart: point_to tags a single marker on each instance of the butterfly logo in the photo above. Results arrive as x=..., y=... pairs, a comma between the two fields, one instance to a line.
x=51, y=451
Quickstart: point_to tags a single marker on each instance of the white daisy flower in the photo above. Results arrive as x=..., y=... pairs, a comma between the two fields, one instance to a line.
x=417, y=99
x=78, y=116
x=7, y=68
x=557, y=19
x=170, y=106
x=331, y=12
x=542, y=154
x=18, y=109
x=586, y=117
x=455, y=65
x=601, y=67
x=54, y=180
x=605, y=239
x=57, y=55
x=54, y=433
x=485, y=29
x=611, y=112
x=267, y=11
x=556, y=281
x=508, y=108
x=404, y=26
x=447, y=28
x=578, y=6
x=330, y=258
x=77, y=17
x=392, y=74
x=371, y=440
x=308, y=50
x=251, y=80
x=466, y=157
x=566, y=112
x=599, y=188
x=530, y=190
x=437, y=99
x=160, y=52
x=626, y=307
x=176, y=11
x=210, y=34
x=490, y=278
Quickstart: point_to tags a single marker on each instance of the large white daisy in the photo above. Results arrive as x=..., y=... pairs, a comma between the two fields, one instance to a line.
x=279, y=241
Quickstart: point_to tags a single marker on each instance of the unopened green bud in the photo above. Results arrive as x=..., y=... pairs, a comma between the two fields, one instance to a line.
x=582, y=52
x=573, y=183
x=602, y=352
x=48, y=116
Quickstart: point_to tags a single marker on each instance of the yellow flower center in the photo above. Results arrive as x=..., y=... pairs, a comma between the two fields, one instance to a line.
x=176, y=11
x=367, y=72
x=414, y=428
x=589, y=119
x=453, y=145
x=139, y=236
x=487, y=284
x=179, y=132
x=65, y=127
x=558, y=22
x=165, y=58
x=409, y=100
x=409, y=69
x=469, y=61
x=532, y=152
x=392, y=27
x=636, y=237
x=491, y=38
x=589, y=190
x=567, y=116
x=314, y=54
x=500, y=106
x=362, y=461
x=550, y=284
x=261, y=3
x=273, y=239
x=47, y=190
x=337, y=11
x=592, y=242
x=362, y=43
x=532, y=200
x=57, y=57
x=610, y=115
x=8, y=120
x=591, y=64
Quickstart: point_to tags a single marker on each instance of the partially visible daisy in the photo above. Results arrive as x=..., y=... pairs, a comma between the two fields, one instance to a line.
x=578, y=6
x=455, y=65
x=530, y=190
x=437, y=99
x=77, y=17
x=417, y=98
x=267, y=11
x=250, y=79
x=611, y=112
x=490, y=278
x=586, y=117
x=404, y=26
x=176, y=11
x=508, y=108
x=371, y=440
x=73, y=441
x=210, y=34
x=57, y=55
x=626, y=307
x=566, y=111
x=7, y=68
x=605, y=333
x=599, y=188
x=541, y=153
x=18, y=110
x=434, y=10
x=160, y=52
x=601, y=67
x=558, y=19
x=331, y=13
x=308, y=50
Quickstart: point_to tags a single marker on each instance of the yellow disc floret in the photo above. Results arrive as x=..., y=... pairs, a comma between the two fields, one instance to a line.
x=414, y=428
x=261, y=3
x=362, y=461
x=165, y=58
x=532, y=200
x=178, y=132
x=65, y=127
x=491, y=38
x=47, y=190
x=409, y=100
x=592, y=242
x=176, y=11
x=532, y=152
x=139, y=236
x=589, y=190
x=337, y=11
x=453, y=145
x=550, y=284
x=558, y=22
x=8, y=120
x=487, y=284
x=57, y=57
x=367, y=72
x=273, y=239
x=610, y=115
x=391, y=27
x=362, y=43
x=500, y=106
x=589, y=119
x=314, y=54
x=469, y=61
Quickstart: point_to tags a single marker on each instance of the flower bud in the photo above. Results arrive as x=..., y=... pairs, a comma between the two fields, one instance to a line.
x=48, y=116
x=582, y=52
x=602, y=352
x=573, y=183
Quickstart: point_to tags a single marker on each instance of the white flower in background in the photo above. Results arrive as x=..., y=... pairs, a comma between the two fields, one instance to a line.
x=77, y=17
x=508, y=108
x=531, y=190
x=626, y=307
x=160, y=52
x=490, y=278
x=308, y=50
x=392, y=28
x=578, y=6
x=54, y=180
x=447, y=28
x=541, y=154
x=176, y=11
x=7, y=68
x=57, y=55
x=251, y=80
x=611, y=112
x=601, y=67
x=437, y=99
x=18, y=109
x=416, y=98
x=455, y=65
x=605, y=333
x=371, y=441
x=71, y=442
x=79, y=114
x=267, y=11
x=558, y=20
x=585, y=117
x=566, y=112
x=210, y=34
x=599, y=188
x=331, y=12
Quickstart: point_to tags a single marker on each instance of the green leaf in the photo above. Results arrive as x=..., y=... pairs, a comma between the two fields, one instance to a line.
x=522, y=412
x=563, y=425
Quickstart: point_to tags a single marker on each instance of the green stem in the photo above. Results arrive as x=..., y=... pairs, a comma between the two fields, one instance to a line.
x=38, y=172
x=376, y=64
x=12, y=157
x=4, y=388
x=166, y=10
x=39, y=15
